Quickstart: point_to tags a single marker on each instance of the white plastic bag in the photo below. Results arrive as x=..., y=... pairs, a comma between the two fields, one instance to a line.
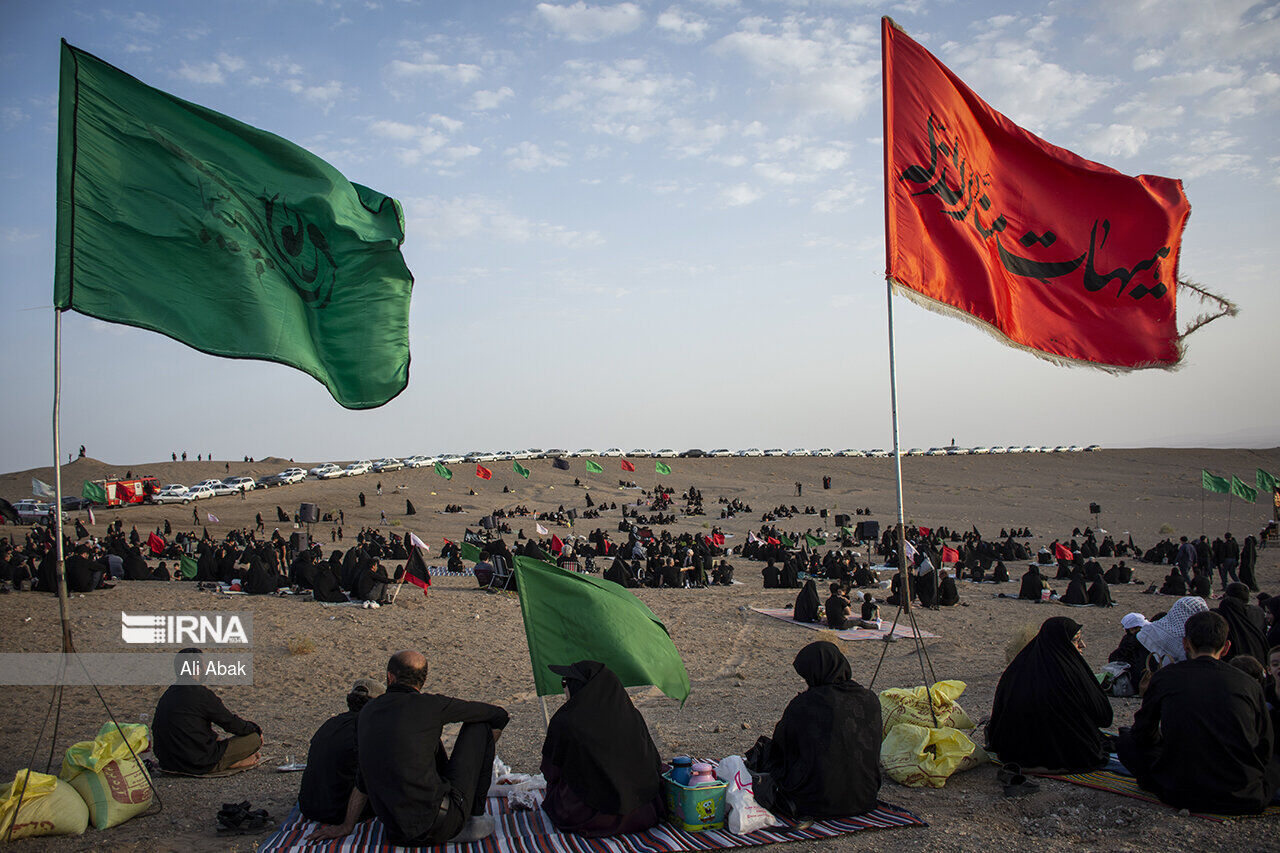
x=521, y=790
x=745, y=814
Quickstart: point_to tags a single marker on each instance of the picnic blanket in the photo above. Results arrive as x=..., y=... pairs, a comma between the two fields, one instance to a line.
x=1127, y=786
x=532, y=832
x=902, y=630
x=444, y=571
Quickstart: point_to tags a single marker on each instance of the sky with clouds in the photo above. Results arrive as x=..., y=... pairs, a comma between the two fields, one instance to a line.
x=654, y=224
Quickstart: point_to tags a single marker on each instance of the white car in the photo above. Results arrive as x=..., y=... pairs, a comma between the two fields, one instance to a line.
x=586, y=451
x=215, y=488
x=850, y=452
x=1075, y=448
x=666, y=451
x=722, y=451
x=915, y=451
x=936, y=451
x=877, y=453
x=387, y=464
x=1013, y=448
x=822, y=451
x=241, y=484
x=799, y=451
x=999, y=448
x=415, y=461
x=750, y=451
x=176, y=493
x=357, y=468
x=1092, y=448
x=292, y=475
x=452, y=459
x=957, y=451
x=612, y=451
x=327, y=471
x=981, y=451
x=638, y=453
x=531, y=453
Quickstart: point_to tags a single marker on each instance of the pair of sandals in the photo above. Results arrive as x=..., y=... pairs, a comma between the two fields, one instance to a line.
x=1015, y=782
x=239, y=819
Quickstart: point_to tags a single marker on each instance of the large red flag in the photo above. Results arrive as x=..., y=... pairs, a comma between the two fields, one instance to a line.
x=1051, y=252
x=156, y=544
x=627, y=466
x=1062, y=552
x=483, y=473
x=949, y=555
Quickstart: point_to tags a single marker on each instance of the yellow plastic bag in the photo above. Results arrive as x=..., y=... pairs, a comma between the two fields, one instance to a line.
x=49, y=807
x=114, y=786
x=921, y=757
x=902, y=705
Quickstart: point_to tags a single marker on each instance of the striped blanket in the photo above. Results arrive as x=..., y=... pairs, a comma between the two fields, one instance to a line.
x=1127, y=786
x=441, y=571
x=903, y=629
x=532, y=832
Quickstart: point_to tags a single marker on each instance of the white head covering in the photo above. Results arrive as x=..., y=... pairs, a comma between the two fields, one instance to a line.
x=1163, y=637
x=1134, y=620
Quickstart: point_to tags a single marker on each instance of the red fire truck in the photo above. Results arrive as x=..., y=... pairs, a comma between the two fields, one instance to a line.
x=135, y=491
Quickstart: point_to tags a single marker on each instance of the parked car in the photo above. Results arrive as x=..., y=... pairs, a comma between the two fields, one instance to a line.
x=915, y=451
x=664, y=452
x=176, y=493
x=241, y=484
x=638, y=453
x=1092, y=447
x=75, y=502
x=292, y=475
x=693, y=453
x=415, y=461
x=272, y=480
x=750, y=451
x=32, y=511
x=611, y=451
x=775, y=451
x=720, y=452
x=799, y=451
x=357, y=468
x=215, y=488
x=388, y=464
x=936, y=451
x=877, y=453
x=328, y=471
x=452, y=459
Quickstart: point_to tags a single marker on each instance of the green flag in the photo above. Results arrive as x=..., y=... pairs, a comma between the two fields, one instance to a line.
x=662, y=468
x=1267, y=482
x=188, y=567
x=1214, y=484
x=520, y=469
x=570, y=617
x=813, y=541
x=93, y=492
x=443, y=471
x=1241, y=490
x=181, y=220
x=787, y=541
x=469, y=552
x=594, y=467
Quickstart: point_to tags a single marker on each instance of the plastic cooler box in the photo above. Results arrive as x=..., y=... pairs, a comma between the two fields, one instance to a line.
x=694, y=809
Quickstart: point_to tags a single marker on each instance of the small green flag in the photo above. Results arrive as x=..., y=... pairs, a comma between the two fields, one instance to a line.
x=93, y=492
x=662, y=468
x=520, y=469
x=1221, y=485
x=1241, y=490
x=594, y=467
x=846, y=531
x=469, y=552
x=787, y=541
x=813, y=541
x=1267, y=482
x=188, y=567
x=443, y=471
x=186, y=222
x=570, y=617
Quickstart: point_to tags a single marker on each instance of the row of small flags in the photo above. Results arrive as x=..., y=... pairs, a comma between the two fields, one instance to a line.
x=593, y=467
x=1267, y=483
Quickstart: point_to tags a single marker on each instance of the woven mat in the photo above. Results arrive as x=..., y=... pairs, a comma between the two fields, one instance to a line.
x=1127, y=786
x=903, y=630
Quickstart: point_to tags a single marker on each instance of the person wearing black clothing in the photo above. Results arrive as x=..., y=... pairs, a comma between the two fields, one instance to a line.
x=184, y=741
x=601, y=766
x=1248, y=562
x=838, y=609
x=789, y=577
x=1245, y=624
x=1131, y=651
x=1100, y=593
x=1032, y=584
x=806, y=607
x=1201, y=585
x=1174, y=584
x=771, y=576
x=1076, y=593
x=82, y=574
x=325, y=580
x=330, y=776
x=823, y=760
x=422, y=795
x=948, y=595
x=135, y=568
x=1000, y=574
x=1203, y=738
x=1049, y=709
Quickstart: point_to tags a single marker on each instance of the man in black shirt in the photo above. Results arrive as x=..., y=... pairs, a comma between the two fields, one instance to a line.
x=1202, y=739
x=422, y=795
x=184, y=738
x=330, y=777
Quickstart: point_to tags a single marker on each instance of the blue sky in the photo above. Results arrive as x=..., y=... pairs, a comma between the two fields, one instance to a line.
x=653, y=223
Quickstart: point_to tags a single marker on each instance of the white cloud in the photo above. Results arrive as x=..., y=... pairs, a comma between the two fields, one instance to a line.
x=681, y=25
x=230, y=63
x=17, y=235
x=1193, y=30
x=12, y=116
x=1113, y=140
x=1148, y=59
x=208, y=73
x=582, y=23
x=688, y=138
x=428, y=64
x=445, y=221
x=324, y=94
x=484, y=99
x=137, y=21
x=840, y=198
x=621, y=98
x=416, y=141
x=528, y=157
x=739, y=195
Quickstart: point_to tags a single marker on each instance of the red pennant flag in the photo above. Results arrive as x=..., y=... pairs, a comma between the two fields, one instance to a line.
x=627, y=466
x=483, y=473
x=415, y=569
x=717, y=539
x=1062, y=552
x=924, y=531
x=950, y=555
x=773, y=541
x=556, y=545
x=418, y=582
x=156, y=544
x=1045, y=249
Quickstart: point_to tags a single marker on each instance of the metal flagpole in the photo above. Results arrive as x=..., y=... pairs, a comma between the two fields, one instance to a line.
x=897, y=455
x=57, y=482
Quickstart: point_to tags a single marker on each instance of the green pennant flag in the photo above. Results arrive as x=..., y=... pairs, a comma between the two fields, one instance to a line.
x=594, y=467
x=813, y=541
x=787, y=541
x=1267, y=482
x=443, y=471
x=229, y=239
x=547, y=556
x=846, y=531
x=469, y=552
x=570, y=617
x=93, y=492
x=1221, y=485
x=662, y=468
x=520, y=469
x=188, y=567
x=1241, y=490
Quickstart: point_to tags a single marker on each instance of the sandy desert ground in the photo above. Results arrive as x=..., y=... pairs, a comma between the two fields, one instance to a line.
x=738, y=661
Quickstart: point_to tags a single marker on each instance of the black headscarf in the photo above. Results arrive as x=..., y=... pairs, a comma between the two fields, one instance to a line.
x=1100, y=593
x=1245, y=631
x=600, y=743
x=1032, y=584
x=1048, y=707
x=806, y=609
x=823, y=759
x=1076, y=592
